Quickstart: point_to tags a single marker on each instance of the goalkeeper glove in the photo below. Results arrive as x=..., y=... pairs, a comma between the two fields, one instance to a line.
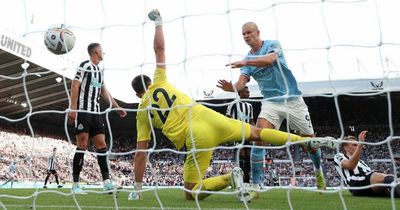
x=155, y=16
x=135, y=195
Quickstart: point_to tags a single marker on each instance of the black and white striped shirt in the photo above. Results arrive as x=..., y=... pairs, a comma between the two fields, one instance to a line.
x=91, y=78
x=358, y=174
x=240, y=111
x=52, y=163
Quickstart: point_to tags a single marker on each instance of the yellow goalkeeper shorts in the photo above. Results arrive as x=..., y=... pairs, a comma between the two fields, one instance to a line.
x=209, y=129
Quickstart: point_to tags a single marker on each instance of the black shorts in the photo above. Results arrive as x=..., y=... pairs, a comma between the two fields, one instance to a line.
x=51, y=171
x=362, y=192
x=90, y=123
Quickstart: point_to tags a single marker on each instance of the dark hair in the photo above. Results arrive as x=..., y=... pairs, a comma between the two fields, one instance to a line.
x=138, y=81
x=91, y=47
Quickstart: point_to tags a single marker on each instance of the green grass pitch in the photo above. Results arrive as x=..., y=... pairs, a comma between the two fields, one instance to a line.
x=173, y=199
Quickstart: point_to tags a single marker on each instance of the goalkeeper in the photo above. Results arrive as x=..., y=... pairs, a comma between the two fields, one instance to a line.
x=186, y=123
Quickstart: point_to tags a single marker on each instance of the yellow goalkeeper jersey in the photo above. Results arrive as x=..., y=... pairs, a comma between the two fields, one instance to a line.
x=166, y=108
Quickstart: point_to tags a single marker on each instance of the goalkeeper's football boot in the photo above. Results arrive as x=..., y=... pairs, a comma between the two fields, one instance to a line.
x=255, y=191
x=238, y=185
x=320, y=179
x=327, y=142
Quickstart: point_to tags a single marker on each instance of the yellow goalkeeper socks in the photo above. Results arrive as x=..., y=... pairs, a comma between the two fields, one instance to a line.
x=212, y=184
x=277, y=137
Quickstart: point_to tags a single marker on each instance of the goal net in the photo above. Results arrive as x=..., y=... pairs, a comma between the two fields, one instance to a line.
x=343, y=53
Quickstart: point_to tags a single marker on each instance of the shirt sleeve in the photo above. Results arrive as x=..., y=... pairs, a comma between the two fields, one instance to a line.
x=338, y=158
x=275, y=48
x=80, y=72
x=245, y=71
x=160, y=75
x=143, y=126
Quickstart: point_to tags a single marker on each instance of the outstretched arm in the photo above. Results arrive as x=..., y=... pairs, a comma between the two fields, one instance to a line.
x=351, y=163
x=158, y=45
x=264, y=61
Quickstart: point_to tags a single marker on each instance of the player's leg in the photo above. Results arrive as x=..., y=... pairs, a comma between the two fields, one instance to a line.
x=77, y=162
x=82, y=144
x=8, y=178
x=82, y=138
x=11, y=180
x=55, y=174
x=258, y=154
x=193, y=173
x=46, y=179
x=206, y=134
x=257, y=164
x=299, y=119
x=214, y=129
x=196, y=163
x=99, y=139
x=244, y=163
x=378, y=178
x=101, y=148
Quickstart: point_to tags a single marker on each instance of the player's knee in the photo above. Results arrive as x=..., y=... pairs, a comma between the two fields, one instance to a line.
x=82, y=145
x=82, y=141
x=101, y=145
x=189, y=196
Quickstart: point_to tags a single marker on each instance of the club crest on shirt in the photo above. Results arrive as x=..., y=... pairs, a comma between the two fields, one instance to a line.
x=80, y=127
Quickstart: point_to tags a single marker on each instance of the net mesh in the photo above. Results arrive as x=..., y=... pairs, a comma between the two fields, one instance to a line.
x=319, y=45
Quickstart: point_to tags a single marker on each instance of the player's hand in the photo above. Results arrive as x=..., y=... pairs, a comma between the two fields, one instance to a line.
x=237, y=64
x=135, y=195
x=225, y=85
x=155, y=16
x=72, y=117
x=122, y=113
x=362, y=136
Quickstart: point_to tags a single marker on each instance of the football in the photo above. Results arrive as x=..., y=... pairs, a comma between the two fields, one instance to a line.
x=59, y=40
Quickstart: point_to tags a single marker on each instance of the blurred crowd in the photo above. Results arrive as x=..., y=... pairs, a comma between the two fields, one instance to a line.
x=165, y=168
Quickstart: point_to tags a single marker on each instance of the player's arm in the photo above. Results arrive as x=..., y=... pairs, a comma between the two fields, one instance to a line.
x=140, y=160
x=263, y=61
x=158, y=44
x=159, y=47
x=239, y=85
x=352, y=162
x=140, y=163
x=74, y=99
x=110, y=100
